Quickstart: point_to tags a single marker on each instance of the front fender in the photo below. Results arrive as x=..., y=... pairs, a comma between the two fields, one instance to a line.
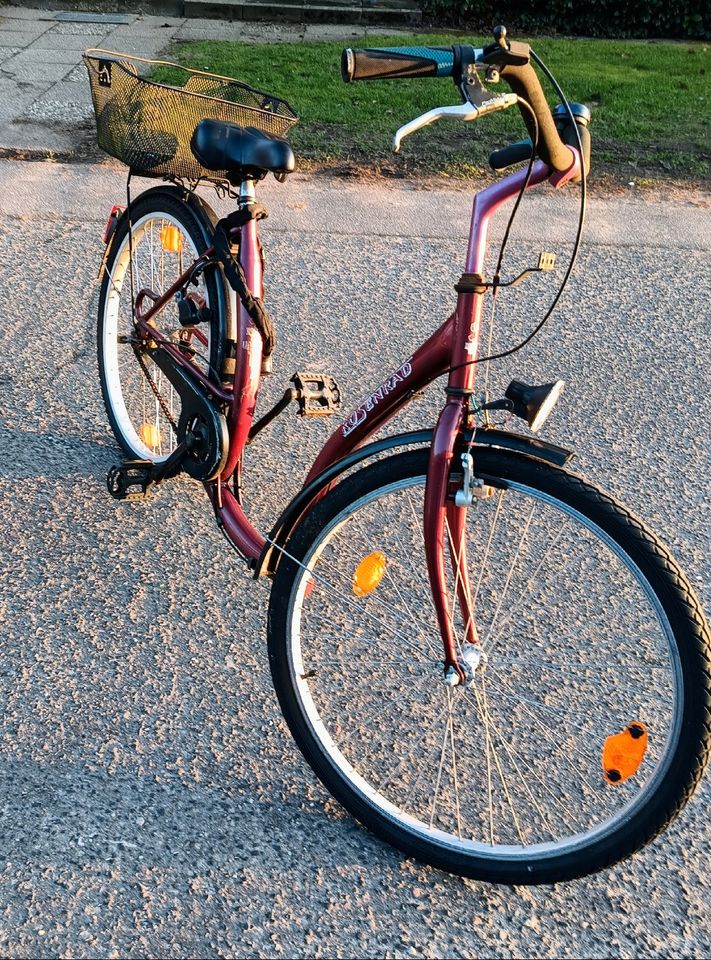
x=282, y=529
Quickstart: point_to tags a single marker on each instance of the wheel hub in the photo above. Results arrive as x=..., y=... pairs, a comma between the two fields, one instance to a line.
x=472, y=660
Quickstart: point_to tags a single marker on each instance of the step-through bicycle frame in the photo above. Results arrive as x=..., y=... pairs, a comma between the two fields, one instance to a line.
x=453, y=345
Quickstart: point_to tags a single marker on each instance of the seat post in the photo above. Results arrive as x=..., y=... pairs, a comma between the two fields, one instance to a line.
x=247, y=193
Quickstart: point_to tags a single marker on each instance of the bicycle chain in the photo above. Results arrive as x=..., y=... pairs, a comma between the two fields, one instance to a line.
x=161, y=401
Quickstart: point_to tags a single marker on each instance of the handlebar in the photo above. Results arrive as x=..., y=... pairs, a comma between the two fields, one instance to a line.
x=389, y=63
x=524, y=82
x=510, y=59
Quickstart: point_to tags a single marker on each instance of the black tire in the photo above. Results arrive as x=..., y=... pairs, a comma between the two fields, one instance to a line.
x=126, y=391
x=335, y=659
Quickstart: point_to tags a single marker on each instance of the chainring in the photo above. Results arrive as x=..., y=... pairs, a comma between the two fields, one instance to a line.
x=201, y=424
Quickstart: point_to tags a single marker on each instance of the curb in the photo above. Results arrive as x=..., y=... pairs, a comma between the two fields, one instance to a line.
x=375, y=12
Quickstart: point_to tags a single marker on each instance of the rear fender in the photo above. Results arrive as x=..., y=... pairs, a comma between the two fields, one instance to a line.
x=207, y=218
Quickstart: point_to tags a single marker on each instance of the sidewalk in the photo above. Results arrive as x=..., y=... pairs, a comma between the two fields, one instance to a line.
x=311, y=206
x=45, y=105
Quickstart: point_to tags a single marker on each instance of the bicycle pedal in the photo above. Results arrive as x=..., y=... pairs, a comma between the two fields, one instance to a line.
x=318, y=394
x=123, y=478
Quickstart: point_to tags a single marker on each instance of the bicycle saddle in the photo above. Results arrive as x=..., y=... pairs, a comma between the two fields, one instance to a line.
x=240, y=151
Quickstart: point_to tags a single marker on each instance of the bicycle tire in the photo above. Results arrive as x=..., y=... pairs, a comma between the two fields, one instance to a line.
x=136, y=415
x=671, y=771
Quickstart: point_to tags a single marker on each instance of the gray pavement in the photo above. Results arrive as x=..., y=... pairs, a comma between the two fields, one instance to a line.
x=309, y=204
x=45, y=105
x=153, y=802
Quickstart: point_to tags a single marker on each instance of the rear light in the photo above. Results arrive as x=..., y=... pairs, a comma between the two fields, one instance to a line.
x=112, y=222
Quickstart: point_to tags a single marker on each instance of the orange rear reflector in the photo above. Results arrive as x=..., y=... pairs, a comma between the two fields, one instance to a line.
x=171, y=239
x=623, y=753
x=369, y=572
x=149, y=434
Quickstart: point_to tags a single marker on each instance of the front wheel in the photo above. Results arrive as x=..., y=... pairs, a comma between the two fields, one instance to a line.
x=586, y=726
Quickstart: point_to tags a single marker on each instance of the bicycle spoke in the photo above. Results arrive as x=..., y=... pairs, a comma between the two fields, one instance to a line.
x=550, y=735
x=512, y=567
x=410, y=612
x=516, y=605
x=321, y=580
x=494, y=754
x=581, y=678
x=454, y=763
x=522, y=778
x=558, y=711
x=490, y=540
x=554, y=799
x=439, y=771
x=416, y=782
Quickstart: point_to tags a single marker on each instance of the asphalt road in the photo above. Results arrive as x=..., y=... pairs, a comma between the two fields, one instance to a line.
x=152, y=801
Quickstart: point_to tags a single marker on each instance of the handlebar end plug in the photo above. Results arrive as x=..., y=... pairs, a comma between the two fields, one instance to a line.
x=347, y=65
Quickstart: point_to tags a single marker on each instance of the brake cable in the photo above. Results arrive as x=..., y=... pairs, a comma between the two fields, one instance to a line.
x=495, y=287
x=578, y=235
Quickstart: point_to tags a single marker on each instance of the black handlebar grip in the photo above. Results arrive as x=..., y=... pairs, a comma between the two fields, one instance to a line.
x=396, y=62
x=524, y=82
x=570, y=138
x=566, y=128
x=508, y=156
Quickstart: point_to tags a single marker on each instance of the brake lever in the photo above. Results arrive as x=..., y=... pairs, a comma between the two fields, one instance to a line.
x=462, y=111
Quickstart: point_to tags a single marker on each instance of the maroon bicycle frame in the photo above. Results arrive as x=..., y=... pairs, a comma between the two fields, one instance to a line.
x=451, y=347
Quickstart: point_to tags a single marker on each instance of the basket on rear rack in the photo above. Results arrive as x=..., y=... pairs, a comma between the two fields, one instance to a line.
x=147, y=121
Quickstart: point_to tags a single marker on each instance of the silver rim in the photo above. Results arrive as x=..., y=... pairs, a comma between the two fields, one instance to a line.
x=578, y=648
x=138, y=414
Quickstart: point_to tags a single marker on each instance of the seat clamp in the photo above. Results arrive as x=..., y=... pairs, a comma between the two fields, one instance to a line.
x=238, y=218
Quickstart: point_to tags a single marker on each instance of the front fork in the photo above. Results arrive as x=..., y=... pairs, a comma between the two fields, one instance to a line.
x=445, y=529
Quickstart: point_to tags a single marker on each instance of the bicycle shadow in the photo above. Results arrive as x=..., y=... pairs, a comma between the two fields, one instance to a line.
x=65, y=815
x=27, y=454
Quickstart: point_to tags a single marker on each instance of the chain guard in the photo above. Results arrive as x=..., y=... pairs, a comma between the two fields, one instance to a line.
x=201, y=423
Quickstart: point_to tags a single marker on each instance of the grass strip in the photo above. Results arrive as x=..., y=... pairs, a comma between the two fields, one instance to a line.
x=651, y=104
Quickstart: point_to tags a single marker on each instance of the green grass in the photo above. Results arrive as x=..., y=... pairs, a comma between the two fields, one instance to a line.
x=651, y=104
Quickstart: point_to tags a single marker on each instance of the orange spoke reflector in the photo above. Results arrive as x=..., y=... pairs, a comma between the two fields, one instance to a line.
x=150, y=435
x=171, y=239
x=369, y=572
x=623, y=753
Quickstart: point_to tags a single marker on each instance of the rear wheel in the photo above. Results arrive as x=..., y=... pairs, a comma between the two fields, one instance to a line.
x=168, y=235
x=586, y=725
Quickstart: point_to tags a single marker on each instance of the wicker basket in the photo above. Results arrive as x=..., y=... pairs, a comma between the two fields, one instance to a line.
x=148, y=125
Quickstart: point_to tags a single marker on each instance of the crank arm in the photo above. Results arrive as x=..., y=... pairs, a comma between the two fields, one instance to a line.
x=170, y=466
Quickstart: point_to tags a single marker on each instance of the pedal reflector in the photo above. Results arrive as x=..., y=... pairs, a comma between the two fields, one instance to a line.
x=149, y=434
x=623, y=752
x=369, y=572
x=171, y=239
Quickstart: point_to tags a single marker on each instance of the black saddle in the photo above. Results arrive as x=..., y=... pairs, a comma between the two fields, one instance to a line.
x=241, y=151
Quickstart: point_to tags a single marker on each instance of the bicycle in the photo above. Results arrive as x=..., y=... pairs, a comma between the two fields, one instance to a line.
x=488, y=661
